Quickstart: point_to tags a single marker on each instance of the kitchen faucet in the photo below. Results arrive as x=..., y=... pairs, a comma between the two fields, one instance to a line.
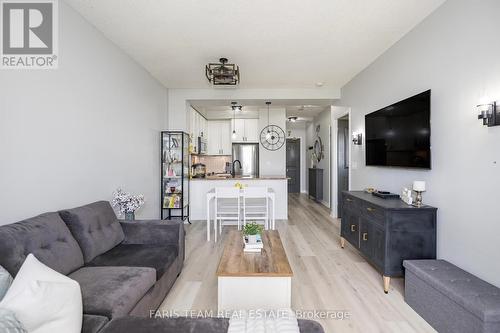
x=233, y=172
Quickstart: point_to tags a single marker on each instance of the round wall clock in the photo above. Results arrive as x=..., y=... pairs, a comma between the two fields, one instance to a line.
x=272, y=137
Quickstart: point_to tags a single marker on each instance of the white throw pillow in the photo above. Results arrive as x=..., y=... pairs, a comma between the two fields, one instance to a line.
x=5, y=282
x=44, y=300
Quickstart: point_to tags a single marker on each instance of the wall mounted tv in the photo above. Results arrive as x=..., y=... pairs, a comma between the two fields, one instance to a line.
x=400, y=135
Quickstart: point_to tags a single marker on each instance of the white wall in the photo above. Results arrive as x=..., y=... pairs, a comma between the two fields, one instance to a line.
x=454, y=52
x=272, y=163
x=73, y=135
x=298, y=131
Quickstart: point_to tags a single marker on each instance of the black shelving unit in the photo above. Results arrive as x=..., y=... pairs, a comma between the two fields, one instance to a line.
x=174, y=200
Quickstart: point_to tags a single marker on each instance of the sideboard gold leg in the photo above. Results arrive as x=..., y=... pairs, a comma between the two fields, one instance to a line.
x=387, y=281
x=342, y=242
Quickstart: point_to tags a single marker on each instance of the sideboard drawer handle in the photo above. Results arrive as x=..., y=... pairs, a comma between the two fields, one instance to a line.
x=365, y=236
x=370, y=209
x=353, y=227
x=349, y=200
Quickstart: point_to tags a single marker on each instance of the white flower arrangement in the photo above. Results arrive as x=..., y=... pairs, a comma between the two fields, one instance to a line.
x=128, y=203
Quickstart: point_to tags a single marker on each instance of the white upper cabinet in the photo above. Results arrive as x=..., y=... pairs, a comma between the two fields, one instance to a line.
x=219, y=137
x=247, y=130
x=197, y=124
x=252, y=131
x=226, y=144
x=238, y=125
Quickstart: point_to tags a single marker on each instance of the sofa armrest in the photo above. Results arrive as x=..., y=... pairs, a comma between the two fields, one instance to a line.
x=153, y=232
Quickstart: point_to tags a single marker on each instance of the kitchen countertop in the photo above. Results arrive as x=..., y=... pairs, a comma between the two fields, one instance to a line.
x=241, y=178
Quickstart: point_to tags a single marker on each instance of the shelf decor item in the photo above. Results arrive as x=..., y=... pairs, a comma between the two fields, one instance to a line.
x=418, y=187
x=127, y=203
x=174, y=188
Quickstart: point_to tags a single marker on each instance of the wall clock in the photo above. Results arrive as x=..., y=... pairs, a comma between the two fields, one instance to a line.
x=272, y=137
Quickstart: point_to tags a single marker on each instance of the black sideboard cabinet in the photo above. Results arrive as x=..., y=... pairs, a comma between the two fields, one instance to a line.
x=316, y=183
x=387, y=231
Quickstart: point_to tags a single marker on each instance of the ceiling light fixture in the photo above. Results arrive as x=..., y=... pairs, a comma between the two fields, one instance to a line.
x=236, y=107
x=222, y=73
x=268, y=134
x=292, y=119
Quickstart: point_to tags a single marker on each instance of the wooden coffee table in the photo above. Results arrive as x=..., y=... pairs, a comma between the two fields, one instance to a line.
x=249, y=281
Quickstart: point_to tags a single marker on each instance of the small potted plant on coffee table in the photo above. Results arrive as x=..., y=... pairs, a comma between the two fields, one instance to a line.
x=251, y=232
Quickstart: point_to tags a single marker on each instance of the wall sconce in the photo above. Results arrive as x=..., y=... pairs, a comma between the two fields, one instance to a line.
x=489, y=114
x=292, y=119
x=357, y=138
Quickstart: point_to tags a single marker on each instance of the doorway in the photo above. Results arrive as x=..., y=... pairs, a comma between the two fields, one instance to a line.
x=293, y=165
x=342, y=160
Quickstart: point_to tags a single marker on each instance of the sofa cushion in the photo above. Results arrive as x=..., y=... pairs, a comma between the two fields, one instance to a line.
x=167, y=325
x=47, y=237
x=95, y=227
x=93, y=324
x=186, y=325
x=113, y=291
x=158, y=257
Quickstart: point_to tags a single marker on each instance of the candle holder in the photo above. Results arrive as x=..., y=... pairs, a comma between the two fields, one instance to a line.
x=418, y=199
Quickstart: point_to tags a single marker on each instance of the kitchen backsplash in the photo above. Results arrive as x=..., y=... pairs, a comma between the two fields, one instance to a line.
x=215, y=164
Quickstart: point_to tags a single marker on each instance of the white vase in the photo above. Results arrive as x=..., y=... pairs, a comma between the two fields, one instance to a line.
x=252, y=239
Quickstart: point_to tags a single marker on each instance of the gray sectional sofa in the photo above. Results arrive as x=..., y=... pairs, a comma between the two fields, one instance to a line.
x=125, y=269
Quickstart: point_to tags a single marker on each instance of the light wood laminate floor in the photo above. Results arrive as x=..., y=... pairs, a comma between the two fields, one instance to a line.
x=326, y=277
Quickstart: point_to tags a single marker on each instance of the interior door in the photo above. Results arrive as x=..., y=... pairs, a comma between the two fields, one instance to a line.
x=342, y=161
x=293, y=165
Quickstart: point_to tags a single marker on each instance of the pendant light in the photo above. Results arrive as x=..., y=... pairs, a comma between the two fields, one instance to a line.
x=234, y=119
x=268, y=134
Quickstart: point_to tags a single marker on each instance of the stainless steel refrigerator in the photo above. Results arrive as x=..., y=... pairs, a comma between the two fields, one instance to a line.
x=248, y=155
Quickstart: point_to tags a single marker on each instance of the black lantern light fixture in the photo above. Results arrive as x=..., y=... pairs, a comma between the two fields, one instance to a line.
x=489, y=114
x=236, y=107
x=222, y=73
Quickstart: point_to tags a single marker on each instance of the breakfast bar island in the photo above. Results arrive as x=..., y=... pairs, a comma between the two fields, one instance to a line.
x=199, y=187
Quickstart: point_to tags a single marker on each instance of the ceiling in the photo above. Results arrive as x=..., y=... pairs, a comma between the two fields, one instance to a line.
x=221, y=109
x=277, y=44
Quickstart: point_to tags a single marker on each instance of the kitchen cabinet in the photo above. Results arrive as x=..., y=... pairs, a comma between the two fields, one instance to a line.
x=197, y=127
x=197, y=124
x=219, y=137
x=247, y=130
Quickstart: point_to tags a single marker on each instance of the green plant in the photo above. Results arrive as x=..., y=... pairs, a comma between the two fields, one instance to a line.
x=252, y=229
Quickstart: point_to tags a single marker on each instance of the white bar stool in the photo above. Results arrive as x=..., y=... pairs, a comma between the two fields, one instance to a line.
x=256, y=205
x=227, y=207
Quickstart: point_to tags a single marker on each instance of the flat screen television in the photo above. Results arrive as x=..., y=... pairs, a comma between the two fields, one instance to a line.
x=400, y=135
